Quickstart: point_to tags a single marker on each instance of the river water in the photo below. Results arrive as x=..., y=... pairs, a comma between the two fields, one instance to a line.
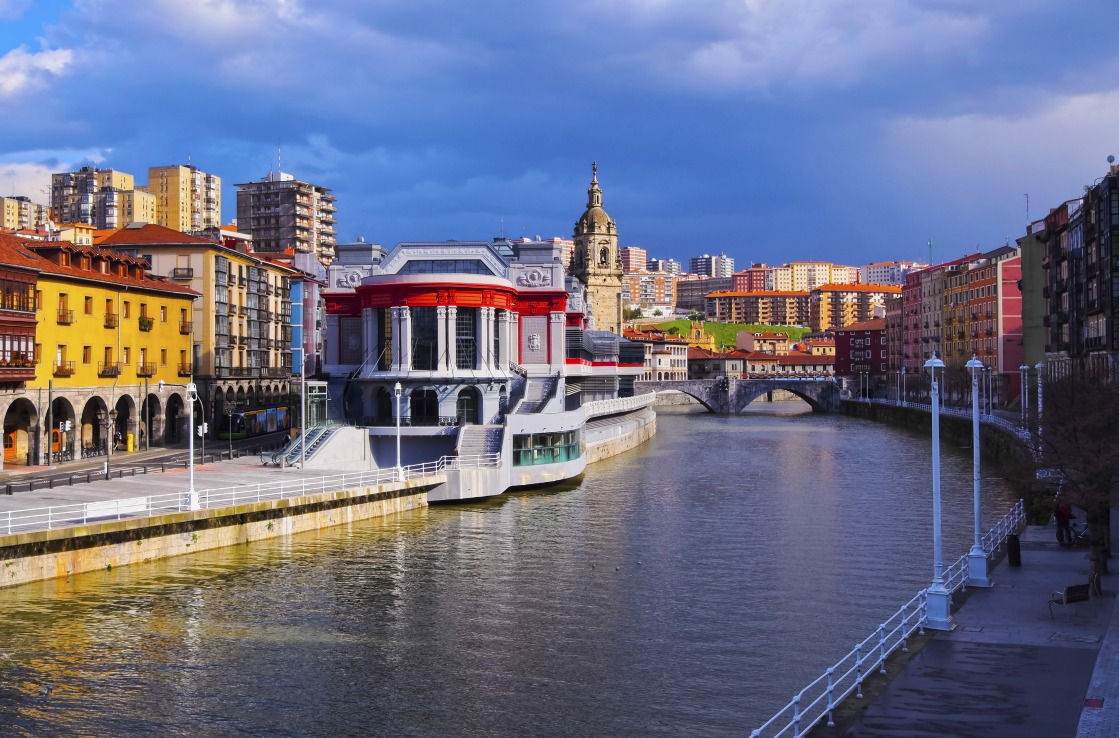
x=687, y=588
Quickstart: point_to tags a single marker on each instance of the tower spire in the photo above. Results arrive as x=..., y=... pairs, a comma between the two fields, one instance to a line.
x=594, y=194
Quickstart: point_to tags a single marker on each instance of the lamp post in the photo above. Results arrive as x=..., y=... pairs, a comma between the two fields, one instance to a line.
x=192, y=397
x=977, y=558
x=397, y=390
x=302, y=409
x=938, y=601
x=1025, y=395
x=904, y=394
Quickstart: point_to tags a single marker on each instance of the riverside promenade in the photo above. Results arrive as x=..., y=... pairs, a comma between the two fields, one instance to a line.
x=1008, y=668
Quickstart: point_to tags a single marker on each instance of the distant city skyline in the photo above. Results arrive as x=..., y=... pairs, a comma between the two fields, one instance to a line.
x=850, y=131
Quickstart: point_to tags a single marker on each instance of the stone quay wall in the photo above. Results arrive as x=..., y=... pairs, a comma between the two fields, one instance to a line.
x=63, y=552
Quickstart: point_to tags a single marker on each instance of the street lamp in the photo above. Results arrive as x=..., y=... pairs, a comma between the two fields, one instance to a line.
x=904, y=394
x=1024, y=395
x=192, y=397
x=938, y=601
x=977, y=558
x=397, y=390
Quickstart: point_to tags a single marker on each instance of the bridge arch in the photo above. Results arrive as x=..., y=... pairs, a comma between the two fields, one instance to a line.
x=728, y=397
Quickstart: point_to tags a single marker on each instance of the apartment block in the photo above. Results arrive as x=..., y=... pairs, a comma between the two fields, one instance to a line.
x=19, y=212
x=719, y=265
x=104, y=198
x=281, y=213
x=759, y=308
x=835, y=306
x=186, y=198
x=634, y=259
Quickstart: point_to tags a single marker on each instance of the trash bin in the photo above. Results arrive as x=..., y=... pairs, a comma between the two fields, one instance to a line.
x=1013, y=550
x=128, y=443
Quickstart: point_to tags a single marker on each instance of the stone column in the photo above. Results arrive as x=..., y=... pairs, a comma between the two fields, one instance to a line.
x=484, y=350
x=451, y=333
x=557, y=356
x=404, y=344
x=397, y=328
x=368, y=337
x=502, y=328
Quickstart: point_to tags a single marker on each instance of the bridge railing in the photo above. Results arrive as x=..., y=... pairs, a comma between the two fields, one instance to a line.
x=817, y=701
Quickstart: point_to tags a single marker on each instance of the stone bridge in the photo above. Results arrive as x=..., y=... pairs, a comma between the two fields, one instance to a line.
x=730, y=396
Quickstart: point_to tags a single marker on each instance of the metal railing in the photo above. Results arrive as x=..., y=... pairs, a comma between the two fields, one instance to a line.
x=595, y=408
x=963, y=413
x=60, y=516
x=817, y=701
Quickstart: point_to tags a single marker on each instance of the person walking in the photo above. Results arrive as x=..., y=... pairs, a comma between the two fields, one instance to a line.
x=1064, y=524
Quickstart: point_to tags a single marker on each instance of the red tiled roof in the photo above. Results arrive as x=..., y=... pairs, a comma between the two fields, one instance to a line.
x=875, y=324
x=24, y=253
x=149, y=234
x=858, y=288
x=760, y=293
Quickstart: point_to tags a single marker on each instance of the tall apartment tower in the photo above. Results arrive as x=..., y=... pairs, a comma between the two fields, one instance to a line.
x=634, y=259
x=597, y=263
x=103, y=198
x=712, y=266
x=279, y=212
x=186, y=198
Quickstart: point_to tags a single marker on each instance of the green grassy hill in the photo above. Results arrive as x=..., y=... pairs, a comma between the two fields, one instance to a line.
x=724, y=333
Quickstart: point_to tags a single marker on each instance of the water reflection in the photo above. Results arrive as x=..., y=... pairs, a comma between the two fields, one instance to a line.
x=689, y=587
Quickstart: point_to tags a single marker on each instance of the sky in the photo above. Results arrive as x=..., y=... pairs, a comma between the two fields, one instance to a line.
x=850, y=131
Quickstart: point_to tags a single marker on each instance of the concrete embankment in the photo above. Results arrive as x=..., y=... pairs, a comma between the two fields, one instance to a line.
x=62, y=552
x=606, y=437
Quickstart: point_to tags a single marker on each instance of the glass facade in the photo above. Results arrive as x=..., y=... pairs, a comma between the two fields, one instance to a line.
x=545, y=448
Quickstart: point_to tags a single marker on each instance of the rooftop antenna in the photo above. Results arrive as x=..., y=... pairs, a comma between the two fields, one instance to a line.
x=1027, y=209
x=930, y=253
x=278, y=167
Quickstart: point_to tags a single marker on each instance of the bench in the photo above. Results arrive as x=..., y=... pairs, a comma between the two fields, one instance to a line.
x=1069, y=595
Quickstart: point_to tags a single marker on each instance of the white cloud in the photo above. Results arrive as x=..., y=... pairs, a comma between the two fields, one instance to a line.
x=13, y=9
x=755, y=44
x=22, y=70
x=979, y=168
x=28, y=173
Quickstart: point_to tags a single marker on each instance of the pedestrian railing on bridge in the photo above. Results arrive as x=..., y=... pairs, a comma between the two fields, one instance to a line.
x=60, y=516
x=817, y=702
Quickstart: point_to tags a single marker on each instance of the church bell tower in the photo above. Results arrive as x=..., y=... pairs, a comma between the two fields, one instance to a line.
x=596, y=261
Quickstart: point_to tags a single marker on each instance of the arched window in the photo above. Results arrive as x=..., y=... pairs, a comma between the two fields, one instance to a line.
x=604, y=257
x=384, y=403
x=424, y=407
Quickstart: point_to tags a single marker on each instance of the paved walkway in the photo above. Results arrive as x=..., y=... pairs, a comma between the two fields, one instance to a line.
x=1008, y=668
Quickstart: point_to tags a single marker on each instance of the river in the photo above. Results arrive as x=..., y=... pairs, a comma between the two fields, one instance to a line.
x=687, y=588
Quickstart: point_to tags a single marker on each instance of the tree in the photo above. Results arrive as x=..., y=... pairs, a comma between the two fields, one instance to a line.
x=1075, y=447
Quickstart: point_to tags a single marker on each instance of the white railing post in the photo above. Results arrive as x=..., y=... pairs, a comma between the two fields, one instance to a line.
x=882, y=648
x=831, y=697
x=858, y=671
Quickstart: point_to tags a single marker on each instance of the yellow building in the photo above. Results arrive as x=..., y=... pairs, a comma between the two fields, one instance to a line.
x=242, y=332
x=834, y=306
x=187, y=199
x=105, y=335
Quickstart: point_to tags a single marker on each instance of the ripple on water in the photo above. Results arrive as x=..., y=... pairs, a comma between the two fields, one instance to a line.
x=687, y=588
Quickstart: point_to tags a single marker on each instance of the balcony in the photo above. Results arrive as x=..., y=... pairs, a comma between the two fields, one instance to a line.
x=186, y=327
x=64, y=369
x=145, y=369
x=146, y=323
x=242, y=311
x=65, y=317
x=184, y=370
x=108, y=368
x=110, y=320
x=182, y=273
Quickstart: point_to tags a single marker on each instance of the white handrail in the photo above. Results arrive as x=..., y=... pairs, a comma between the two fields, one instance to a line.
x=57, y=516
x=819, y=699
